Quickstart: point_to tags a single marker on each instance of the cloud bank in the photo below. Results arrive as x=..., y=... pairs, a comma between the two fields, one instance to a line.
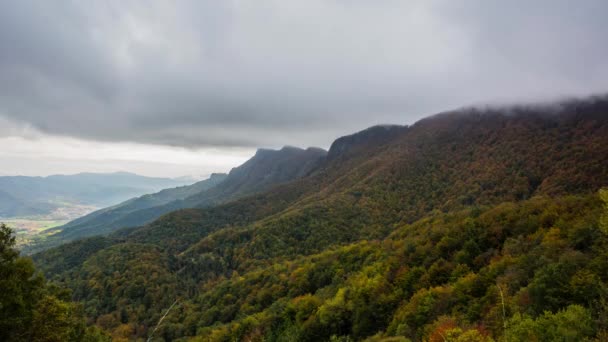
x=243, y=74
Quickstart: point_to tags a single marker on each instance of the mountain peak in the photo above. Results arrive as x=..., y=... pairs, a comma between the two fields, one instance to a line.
x=371, y=136
x=217, y=175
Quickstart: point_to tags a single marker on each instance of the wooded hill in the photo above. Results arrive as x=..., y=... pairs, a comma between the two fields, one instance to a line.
x=401, y=232
x=264, y=170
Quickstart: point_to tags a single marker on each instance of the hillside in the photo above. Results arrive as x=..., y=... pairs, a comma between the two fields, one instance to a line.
x=11, y=206
x=405, y=232
x=267, y=168
x=105, y=220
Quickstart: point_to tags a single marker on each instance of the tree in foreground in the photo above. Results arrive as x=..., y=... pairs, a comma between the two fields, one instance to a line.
x=30, y=310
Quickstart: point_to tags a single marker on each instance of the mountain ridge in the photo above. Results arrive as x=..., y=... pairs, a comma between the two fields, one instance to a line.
x=434, y=215
x=264, y=170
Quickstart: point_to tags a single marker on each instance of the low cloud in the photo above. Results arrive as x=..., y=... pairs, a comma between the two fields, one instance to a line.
x=242, y=74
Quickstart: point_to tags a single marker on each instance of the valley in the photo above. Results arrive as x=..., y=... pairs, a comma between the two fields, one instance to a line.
x=33, y=229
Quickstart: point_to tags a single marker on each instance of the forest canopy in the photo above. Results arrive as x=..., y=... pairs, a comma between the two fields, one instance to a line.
x=475, y=225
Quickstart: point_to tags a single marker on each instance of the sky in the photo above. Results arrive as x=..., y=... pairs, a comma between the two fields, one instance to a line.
x=172, y=88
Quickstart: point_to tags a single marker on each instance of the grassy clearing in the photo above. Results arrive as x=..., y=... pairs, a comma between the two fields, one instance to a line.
x=29, y=230
x=32, y=226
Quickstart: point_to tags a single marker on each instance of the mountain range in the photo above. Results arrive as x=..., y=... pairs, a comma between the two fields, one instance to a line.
x=267, y=168
x=456, y=224
x=30, y=196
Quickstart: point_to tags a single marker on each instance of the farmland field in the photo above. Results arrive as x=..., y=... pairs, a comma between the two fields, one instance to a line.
x=31, y=228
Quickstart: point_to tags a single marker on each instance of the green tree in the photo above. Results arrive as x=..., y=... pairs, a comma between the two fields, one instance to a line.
x=572, y=324
x=29, y=309
x=604, y=218
x=20, y=289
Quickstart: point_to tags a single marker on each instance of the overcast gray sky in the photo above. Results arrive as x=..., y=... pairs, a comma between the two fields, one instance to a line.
x=191, y=87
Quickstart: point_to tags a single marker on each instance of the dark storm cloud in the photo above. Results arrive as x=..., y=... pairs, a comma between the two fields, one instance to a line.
x=268, y=73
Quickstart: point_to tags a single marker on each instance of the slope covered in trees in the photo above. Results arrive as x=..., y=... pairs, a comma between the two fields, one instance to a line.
x=416, y=232
x=108, y=219
x=263, y=171
x=104, y=218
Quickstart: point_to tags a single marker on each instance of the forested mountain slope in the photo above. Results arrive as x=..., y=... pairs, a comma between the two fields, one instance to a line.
x=267, y=168
x=104, y=220
x=400, y=231
x=264, y=170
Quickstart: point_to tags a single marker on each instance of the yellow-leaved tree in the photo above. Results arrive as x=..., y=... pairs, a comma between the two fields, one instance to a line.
x=604, y=217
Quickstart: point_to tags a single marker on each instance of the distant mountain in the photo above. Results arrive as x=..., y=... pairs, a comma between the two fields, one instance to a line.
x=351, y=145
x=104, y=220
x=26, y=196
x=11, y=206
x=400, y=233
x=267, y=168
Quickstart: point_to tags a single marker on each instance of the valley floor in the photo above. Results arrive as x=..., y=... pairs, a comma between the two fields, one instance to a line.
x=31, y=229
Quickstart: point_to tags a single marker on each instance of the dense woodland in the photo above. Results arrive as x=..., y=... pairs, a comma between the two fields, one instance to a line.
x=475, y=225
